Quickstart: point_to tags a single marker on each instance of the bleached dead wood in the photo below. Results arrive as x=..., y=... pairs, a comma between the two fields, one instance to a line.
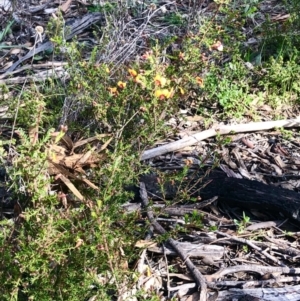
x=58, y=72
x=221, y=130
x=287, y=293
x=261, y=270
x=192, y=250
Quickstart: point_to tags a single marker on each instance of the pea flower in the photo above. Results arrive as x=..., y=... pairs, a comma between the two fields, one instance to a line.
x=163, y=94
x=132, y=72
x=181, y=56
x=121, y=85
x=113, y=91
x=160, y=81
x=199, y=81
x=217, y=46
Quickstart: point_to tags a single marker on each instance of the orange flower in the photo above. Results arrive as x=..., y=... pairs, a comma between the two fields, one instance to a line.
x=121, y=85
x=181, y=55
x=79, y=242
x=132, y=72
x=163, y=94
x=217, y=46
x=188, y=162
x=160, y=81
x=113, y=91
x=199, y=81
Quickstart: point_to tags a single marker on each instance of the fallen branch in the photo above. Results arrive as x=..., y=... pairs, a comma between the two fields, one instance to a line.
x=234, y=192
x=56, y=73
x=200, y=280
x=238, y=284
x=259, y=269
x=74, y=28
x=287, y=293
x=221, y=130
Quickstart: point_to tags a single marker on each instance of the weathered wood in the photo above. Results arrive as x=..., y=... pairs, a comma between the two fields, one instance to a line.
x=73, y=28
x=192, y=250
x=287, y=293
x=221, y=130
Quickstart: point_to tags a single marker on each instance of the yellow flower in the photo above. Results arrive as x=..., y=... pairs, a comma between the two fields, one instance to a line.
x=199, y=81
x=121, y=85
x=132, y=72
x=160, y=81
x=181, y=91
x=163, y=93
x=113, y=91
x=107, y=70
x=188, y=162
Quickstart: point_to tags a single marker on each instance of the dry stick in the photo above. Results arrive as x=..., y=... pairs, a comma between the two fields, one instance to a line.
x=58, y=72
x=76, y=27
x=289, y=250
x=221, y=130
x=251, y=283
x=188, y=209
x=200, y=280
x=243, y=284
x=167, y=268
x=118, y=57
x=52, y=65
x=260, y=269
x=252, y=245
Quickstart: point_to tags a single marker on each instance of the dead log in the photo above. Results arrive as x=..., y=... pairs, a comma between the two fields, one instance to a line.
x=232, y=191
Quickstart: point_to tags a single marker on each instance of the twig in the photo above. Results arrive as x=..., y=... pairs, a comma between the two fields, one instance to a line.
x=117, y=55
x=188, y=209
x=252, y=245
x=200, y=280
x=76, y=27
x=283, y=246
x=16, y=116
x=167, y=269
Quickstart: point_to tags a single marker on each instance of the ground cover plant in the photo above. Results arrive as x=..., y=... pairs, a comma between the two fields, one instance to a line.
x=71, y=146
